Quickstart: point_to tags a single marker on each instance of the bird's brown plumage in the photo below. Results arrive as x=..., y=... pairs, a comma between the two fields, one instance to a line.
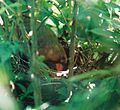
x=49, y=46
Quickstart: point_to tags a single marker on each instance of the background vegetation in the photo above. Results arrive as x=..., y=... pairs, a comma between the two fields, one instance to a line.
x=89, y=31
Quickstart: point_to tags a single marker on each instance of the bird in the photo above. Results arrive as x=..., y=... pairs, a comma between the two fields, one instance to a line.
x=49, y=46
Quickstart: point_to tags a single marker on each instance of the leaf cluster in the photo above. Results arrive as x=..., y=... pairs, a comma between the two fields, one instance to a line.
x=95, y=82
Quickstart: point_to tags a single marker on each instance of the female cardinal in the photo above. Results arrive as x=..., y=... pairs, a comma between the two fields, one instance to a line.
x=49, y=46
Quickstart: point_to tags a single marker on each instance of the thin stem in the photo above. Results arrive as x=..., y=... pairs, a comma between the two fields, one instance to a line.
x=22, y=28
x=96, y=74
x=72, y=44
x=36, y=82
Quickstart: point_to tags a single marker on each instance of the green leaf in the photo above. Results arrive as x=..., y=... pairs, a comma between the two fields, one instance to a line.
x=5, y=52
x=30, y=88
x=112, y=5
x=61, y=2
x=41, y=58
x=22, y=87
x=101, y=32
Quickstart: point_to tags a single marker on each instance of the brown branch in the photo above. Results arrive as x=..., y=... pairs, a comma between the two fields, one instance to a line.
x=72, y=44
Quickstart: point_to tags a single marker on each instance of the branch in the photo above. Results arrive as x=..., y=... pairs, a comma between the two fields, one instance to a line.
x=36, y=81
x=72, y=44
x=96, y=74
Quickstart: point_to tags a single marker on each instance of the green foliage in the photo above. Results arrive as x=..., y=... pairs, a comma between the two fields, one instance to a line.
x=95, y=83
x=11, y=47
x=96, y=97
